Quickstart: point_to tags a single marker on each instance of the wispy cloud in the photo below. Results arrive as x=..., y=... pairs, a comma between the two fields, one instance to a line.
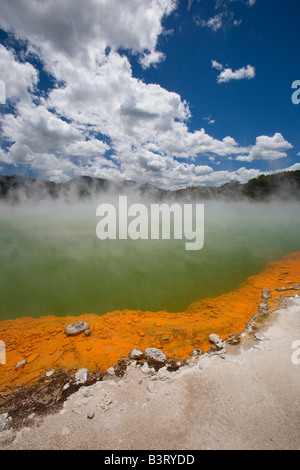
x=216, y=65
x=209, y=120
x=214, y=23
x=224, y=16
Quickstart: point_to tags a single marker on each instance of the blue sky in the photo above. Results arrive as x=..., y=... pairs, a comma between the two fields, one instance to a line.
x=172, y=93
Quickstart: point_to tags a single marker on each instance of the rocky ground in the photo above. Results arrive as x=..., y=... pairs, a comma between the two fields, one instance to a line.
x=242, y=394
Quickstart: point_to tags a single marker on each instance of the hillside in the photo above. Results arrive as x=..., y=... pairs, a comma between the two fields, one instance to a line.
x=280, y=186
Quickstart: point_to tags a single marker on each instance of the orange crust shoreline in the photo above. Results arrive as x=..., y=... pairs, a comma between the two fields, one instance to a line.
x=42, y=342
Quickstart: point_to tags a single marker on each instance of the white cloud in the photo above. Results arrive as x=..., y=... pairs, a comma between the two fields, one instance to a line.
x=83, y=30
x=144, y=126
x=154, y=57
x=241, y=74
x=209, y=120
x=35, y=130
x=216, y=65
x=237, y=22
x=20, y=78
x=249, y=3
x=183, y=144
x=224, y=17
x=242, y=175
x=268, y=148
x=295, y=167
x=227, y=74
x=214, y=23
x=87, y=148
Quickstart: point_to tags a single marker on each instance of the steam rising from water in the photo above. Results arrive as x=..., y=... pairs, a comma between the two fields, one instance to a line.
x=53, y=263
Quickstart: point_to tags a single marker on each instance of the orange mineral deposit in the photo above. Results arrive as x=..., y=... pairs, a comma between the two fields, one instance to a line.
x=44, y=345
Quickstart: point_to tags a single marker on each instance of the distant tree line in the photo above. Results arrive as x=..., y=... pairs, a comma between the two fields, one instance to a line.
x=282, y=186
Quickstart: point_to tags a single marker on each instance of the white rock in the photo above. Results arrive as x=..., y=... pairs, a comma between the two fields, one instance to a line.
x=145, y=368
x=215, y=339
x=163, y=374
x=4, y=421
x=155, y=355
x=81, y=376
x=21, y=364
x=260, y=337
x=76, y=328
x=136, y=354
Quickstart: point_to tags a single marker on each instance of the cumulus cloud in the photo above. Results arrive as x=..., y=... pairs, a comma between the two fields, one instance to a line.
x=76, y=29
x=98, y=119
x=267, y=148
x=36, y=130
x=87, y=148
x=20, y=78
x=98, y=94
